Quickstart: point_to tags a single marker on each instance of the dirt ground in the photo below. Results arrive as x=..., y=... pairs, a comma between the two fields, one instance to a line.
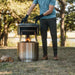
x=64, y=66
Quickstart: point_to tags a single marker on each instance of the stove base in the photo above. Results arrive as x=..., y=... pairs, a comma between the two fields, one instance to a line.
x=28, y=51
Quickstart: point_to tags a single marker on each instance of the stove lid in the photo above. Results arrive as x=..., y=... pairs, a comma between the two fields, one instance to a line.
x=28, y=29
x=28, y=24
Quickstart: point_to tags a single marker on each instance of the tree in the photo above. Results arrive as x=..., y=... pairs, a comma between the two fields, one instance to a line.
x=70, y=19
x=4, y=26
x=62, y=4
x=17, y=10
x=7, y=18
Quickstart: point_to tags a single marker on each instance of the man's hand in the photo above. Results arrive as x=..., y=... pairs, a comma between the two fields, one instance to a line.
x=24, y=19
x=38, y=17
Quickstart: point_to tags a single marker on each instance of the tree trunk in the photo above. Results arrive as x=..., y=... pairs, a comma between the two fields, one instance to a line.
x=5, y=39
x=62, y=30
x=5, y=32
x=0, y=29
x=62, y=13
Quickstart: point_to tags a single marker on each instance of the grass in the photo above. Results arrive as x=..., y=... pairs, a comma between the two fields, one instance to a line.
x=64, y=66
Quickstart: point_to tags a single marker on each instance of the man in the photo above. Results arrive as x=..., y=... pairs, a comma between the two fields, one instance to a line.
x=47, y=19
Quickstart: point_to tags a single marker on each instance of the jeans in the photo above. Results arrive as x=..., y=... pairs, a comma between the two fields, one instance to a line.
x=44, y=24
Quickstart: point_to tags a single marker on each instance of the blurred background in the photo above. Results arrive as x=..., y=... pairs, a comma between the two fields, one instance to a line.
x=12, y=12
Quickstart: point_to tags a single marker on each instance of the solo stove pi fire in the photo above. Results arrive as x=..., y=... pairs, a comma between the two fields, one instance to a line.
x=28, y=50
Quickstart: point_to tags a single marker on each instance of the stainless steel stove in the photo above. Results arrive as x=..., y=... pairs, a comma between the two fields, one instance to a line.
x=28, y=50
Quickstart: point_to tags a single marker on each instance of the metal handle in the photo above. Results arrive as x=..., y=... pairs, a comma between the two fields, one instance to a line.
x=35, y=36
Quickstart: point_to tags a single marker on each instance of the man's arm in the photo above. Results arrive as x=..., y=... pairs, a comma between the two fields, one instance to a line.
x=30, y=9
x=28, y=13
x=51, y=7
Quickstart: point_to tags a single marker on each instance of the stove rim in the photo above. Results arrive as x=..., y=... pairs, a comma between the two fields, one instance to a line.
x=28, y=42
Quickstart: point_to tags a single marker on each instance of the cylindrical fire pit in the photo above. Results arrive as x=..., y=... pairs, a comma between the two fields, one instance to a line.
x=28, y=51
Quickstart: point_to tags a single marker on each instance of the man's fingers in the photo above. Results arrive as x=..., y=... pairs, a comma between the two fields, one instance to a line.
x=22, y=21
x=35, y=17
x=36, y=21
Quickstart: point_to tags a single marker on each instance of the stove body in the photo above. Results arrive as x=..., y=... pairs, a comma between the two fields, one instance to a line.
x=28, y=29
x=28, y=51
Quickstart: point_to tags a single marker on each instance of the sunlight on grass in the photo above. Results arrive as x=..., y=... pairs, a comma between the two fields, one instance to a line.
x=5, y=72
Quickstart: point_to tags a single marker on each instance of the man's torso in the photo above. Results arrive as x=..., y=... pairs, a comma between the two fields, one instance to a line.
x=44, y=6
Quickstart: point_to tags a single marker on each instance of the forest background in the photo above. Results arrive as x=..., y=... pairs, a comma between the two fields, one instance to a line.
x=12, y=12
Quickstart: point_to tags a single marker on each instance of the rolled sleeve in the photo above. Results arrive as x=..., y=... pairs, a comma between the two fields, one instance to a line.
x=52, y=2
x=35, y=2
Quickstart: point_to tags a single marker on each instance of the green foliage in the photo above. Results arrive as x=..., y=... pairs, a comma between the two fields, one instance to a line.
x=2, y=1
x=70, y=19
